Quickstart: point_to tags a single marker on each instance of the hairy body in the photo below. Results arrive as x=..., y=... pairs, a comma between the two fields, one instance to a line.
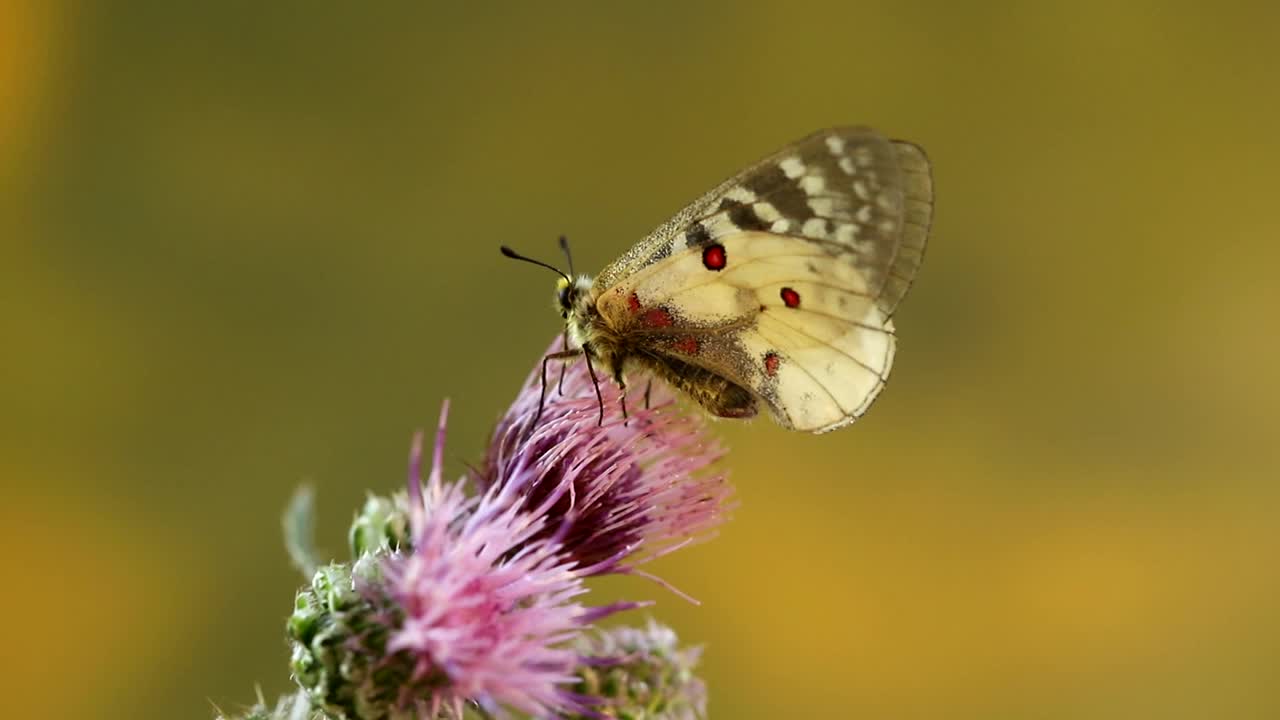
x=590, y=334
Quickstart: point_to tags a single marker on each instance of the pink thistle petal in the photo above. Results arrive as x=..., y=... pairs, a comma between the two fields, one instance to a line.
x=626, y=491
x=487, y=608
x=488, y=593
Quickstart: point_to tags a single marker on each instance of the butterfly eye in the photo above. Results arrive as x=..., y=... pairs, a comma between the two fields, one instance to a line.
x=564, y=297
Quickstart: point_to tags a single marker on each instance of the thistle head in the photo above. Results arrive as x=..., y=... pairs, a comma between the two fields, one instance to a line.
x=613, y=493
x=487, y=605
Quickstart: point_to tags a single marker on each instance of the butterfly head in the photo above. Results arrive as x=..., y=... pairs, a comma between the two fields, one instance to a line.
x=576, y=304
x=564, y=297
x=572, y=296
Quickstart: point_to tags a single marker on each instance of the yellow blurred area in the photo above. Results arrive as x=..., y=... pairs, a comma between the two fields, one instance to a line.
x=247, y=245
x=23, y=52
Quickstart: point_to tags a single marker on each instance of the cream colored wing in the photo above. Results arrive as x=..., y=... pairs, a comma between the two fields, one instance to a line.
x=784, y=279
x=849, y=186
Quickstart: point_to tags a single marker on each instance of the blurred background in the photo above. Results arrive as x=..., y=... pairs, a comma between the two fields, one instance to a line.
x=251, y=244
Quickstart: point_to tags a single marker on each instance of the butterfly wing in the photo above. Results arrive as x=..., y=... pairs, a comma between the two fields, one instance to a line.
x=784, y=278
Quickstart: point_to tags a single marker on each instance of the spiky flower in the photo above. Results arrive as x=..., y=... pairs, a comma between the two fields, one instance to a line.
x=381, y=525
x=463, y=603
x=615, y=490
x=339, y=630
x=488, y=605
x=642, y=674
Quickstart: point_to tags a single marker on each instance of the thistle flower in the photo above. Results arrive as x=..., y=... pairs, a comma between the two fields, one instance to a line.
x=381, y=525
x=641, y=674
x=614, y=493
x=339, y=629
x=458, y=602
x=487, y=606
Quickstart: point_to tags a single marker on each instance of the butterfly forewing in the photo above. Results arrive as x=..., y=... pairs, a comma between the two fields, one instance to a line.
x=784, y=278
x=848, y=188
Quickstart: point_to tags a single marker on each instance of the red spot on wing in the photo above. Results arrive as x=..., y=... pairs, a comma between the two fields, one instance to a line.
x=657, y=317
x=687, y=345
x=714, y=258
x=771, y=363
x=790, y=297
x=633, y=303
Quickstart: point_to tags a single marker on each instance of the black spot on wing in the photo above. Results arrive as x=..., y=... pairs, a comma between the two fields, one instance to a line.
x=791, y=201
x=765, y=180
x=771, y=185
x=697, y=235
x=744, y=217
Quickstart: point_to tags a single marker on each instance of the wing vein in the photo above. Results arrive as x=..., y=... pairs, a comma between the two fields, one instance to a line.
x=840, y=350
x=840, y=318
x=813, y=377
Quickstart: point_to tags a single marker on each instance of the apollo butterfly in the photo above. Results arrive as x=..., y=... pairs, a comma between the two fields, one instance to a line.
x=778, y=287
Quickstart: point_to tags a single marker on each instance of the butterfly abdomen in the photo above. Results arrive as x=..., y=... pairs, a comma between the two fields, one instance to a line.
x=620, y=353
x=717, y=395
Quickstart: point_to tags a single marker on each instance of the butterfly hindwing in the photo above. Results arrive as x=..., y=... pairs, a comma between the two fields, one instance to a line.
x=783, y=279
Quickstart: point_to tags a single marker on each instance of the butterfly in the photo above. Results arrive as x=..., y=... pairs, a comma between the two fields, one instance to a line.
x=776, y=288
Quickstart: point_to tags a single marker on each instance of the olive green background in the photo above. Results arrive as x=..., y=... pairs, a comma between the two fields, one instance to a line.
x=254, y=243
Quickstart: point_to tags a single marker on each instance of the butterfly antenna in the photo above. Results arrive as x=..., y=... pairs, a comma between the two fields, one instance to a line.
x=517, y=256
x=564, y=246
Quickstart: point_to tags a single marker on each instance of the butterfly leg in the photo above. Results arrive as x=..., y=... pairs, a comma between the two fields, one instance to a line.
x=648, y=385
x=586, y=353
x=542, y=396
x=563, y=366
x=622, y=395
